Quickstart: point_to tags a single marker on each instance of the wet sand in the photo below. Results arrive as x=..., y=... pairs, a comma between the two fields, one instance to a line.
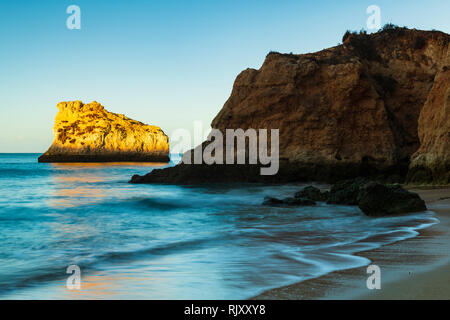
x=417, y=268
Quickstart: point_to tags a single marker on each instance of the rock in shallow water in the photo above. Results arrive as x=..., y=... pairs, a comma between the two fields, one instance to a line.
x=299, y=201
x=291, y=201
x=271, y=201
x=375, y=199
x=90, y=133
x=313, y=194
x=346, y=192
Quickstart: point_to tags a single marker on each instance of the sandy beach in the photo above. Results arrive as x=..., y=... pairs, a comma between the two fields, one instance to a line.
x=417, y=268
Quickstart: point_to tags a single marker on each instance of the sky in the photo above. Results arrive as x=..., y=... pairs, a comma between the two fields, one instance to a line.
x=166, y=63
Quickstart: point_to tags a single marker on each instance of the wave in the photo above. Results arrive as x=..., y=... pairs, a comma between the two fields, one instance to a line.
x=9, y=173
x=44, y=274
x=319, y=261
x=164, y=249
x=93, y=218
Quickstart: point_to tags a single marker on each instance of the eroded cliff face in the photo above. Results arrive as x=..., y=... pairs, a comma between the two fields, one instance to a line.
x=351, y=110
x=88, y=132
x=431, y=163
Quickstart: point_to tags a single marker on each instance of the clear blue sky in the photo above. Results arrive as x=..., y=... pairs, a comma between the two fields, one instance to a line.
x=166, y=62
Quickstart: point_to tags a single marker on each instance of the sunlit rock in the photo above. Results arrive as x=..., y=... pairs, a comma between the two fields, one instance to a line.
x=90, y=133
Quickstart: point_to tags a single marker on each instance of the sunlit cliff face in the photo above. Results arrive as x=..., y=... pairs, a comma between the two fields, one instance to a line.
x=91, y=129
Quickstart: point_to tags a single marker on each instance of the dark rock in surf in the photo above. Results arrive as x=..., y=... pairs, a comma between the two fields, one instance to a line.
x=375, y=199
x=298, y=201
x=346, y=191
x=313, y=194
x=291, y=201
x=271, y=201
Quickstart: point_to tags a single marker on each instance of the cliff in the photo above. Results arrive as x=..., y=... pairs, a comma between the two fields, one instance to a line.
x=431, y=163
x=350, y=110
x=90, y=133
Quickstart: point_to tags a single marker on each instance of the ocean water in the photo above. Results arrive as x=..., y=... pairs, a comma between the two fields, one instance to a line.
x=168, y=242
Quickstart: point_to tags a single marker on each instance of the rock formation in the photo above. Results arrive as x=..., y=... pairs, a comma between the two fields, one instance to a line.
x=374, y=199
x=347, y=191
x=431, y=163
x=290, y=201
x=89, y=133
x=312, y=193
x=350, y=110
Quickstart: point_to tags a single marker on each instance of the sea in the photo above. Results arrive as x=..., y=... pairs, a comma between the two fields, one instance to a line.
x=81, y=231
